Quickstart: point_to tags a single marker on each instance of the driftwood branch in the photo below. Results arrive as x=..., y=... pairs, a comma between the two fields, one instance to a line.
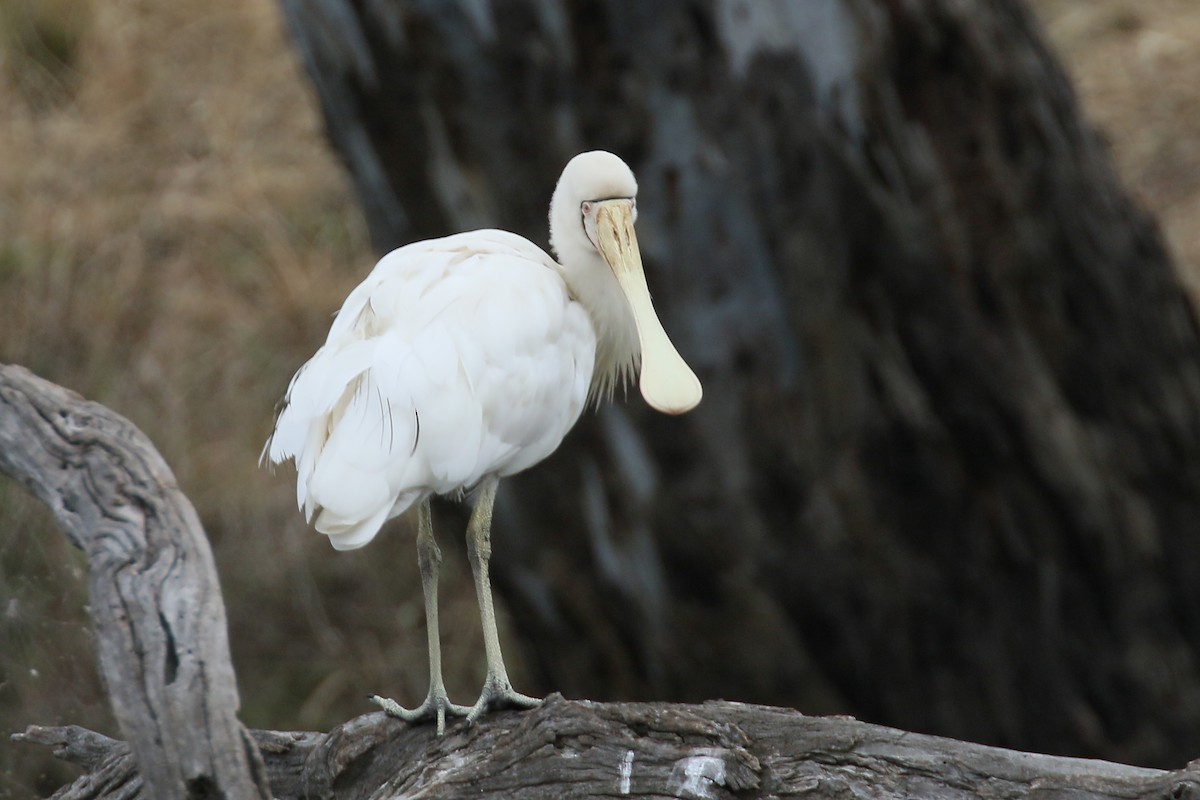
x=155, y=602
x=581, y=749
x=160, y=626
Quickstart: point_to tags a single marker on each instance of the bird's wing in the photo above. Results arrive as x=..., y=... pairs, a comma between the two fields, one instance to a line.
x=454, y=359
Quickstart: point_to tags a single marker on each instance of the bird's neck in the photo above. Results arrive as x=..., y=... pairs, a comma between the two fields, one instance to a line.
x=618, y=350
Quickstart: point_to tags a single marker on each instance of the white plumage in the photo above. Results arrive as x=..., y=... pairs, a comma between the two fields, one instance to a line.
x=462, y=360
x=456, y=358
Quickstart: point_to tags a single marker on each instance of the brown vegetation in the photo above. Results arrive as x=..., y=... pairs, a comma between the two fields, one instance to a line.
x=1136, y=64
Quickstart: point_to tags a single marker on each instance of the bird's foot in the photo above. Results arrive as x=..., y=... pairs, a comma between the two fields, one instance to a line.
x=498, y=693
x=436, y=706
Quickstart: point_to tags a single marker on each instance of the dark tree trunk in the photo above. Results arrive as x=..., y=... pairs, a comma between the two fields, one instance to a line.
x=946, y=474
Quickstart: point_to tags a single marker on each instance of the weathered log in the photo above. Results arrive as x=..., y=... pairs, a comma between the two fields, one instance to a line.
x=155, y=602
x=581, y=749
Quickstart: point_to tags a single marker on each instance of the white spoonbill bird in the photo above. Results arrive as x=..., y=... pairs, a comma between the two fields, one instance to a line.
x=462, y=360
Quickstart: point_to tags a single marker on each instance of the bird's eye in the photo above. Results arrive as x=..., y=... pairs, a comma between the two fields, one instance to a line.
x=586, y=207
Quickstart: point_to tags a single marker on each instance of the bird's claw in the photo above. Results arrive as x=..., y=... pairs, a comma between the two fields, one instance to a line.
x=436, y=707
x=497, y=695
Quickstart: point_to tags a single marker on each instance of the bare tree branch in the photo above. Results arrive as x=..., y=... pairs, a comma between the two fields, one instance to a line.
x=155, y=602
x=716, y=750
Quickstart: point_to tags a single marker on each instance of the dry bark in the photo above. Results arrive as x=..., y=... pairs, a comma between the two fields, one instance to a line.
x=951, y=426
x=579, y=749
x=154, y=599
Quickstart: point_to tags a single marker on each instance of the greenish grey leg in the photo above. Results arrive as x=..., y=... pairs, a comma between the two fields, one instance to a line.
x=437, y=704
x=497, y=690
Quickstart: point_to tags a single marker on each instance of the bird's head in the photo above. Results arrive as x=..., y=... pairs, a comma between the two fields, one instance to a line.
x=591, y=230
x=588, y=181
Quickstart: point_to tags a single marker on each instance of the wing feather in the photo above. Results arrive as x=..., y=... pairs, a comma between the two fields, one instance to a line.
x=454, y=359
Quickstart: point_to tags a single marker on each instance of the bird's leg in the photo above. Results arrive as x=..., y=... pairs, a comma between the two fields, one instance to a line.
x=497, y=690
x=437, y=704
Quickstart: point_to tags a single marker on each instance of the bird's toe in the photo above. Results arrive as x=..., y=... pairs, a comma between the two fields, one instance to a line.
x=436, y=707
x=498, y=696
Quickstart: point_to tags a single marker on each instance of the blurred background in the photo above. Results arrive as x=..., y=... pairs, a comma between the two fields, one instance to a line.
x=176, y=229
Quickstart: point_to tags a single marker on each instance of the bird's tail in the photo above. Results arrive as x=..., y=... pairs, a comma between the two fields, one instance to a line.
x=347, y=534
x=351, y=533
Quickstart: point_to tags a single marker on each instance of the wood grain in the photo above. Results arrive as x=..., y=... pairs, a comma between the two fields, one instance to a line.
x=576, y=749
x=154, y=598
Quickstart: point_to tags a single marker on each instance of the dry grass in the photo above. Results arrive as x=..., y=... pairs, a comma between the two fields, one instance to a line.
x=174, y=235
x=1136, y=64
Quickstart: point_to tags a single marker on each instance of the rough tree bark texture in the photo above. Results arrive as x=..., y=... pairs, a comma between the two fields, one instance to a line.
x=154, y=599
x=576, y=750
x=947, y=470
